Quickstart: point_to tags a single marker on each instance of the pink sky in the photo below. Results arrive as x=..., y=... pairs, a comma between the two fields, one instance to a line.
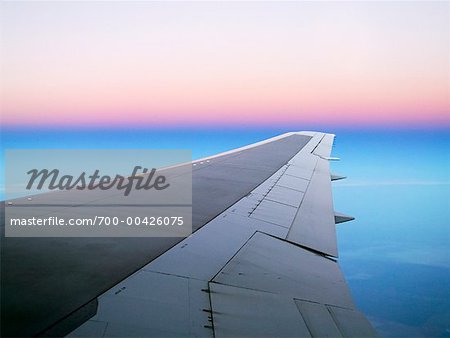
x=264, y=63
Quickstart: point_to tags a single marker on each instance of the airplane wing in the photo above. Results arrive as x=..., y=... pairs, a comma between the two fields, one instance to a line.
x=260, y=262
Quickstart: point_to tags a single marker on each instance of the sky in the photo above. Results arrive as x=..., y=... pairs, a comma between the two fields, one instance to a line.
x=395, y=255
x=156, y=64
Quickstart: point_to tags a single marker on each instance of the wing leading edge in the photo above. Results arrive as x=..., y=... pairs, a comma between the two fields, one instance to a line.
x=265, y=266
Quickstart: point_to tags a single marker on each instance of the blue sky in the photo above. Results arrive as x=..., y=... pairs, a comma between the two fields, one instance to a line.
x=395, y=254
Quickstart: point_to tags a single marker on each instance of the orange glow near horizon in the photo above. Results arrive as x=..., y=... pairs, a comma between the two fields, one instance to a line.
x=196, y=63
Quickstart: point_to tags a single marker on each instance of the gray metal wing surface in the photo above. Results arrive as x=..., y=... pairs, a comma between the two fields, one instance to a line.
x=262, y=262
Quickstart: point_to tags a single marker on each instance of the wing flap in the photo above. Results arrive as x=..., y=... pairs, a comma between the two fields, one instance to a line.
x=314, y=225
